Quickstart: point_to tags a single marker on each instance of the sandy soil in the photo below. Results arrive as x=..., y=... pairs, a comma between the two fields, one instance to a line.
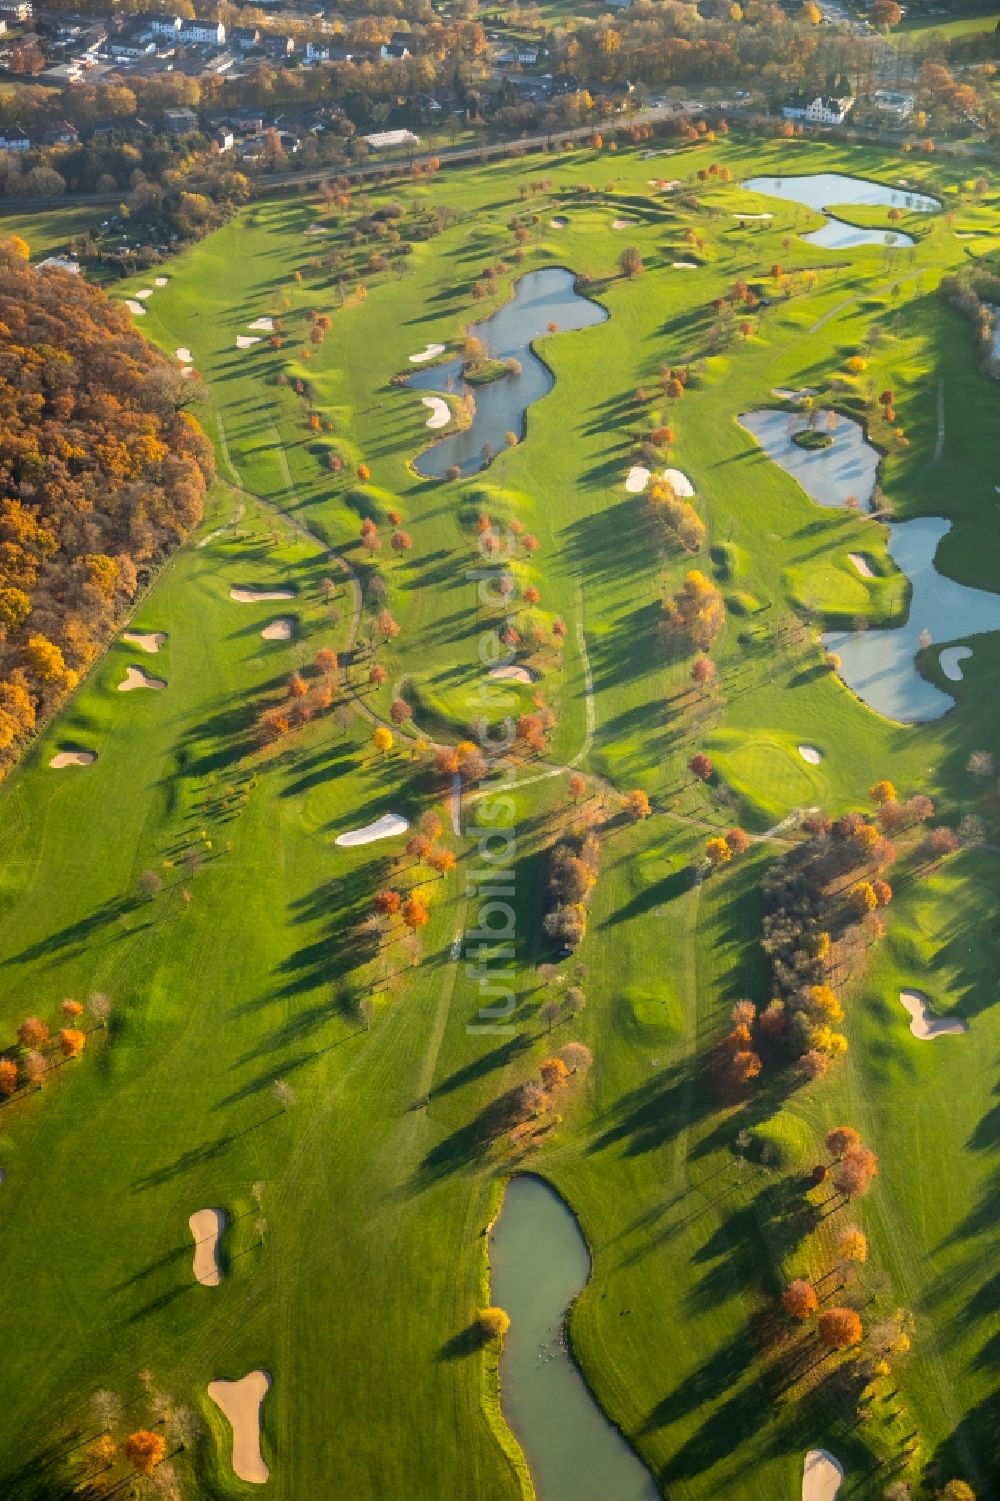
x=439, y=409
x=679, y=483
x=924, y=1024
x=279, y=630
x=72, y=758
x=150, y=642
x=382, y=828
x=259, y=596
x=247, y=341
x=951, y=660
x=558, y=222
x=135, y=308
x=811, y=754
x=207, y=1225
x=429, y=352
x=821, y=1476
x=622, y=223
x=142, y=296
x=160, y=281
x=514, y=674
x=136, y=678
x=862, y=564
x=637, y=479
x=262, y=325
x=184, y=355
x=241, y=1402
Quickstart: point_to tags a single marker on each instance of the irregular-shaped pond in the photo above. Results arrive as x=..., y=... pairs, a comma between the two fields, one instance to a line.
x=540, y=298
x=880, y=665
x=539, y=1262
x=818, y=189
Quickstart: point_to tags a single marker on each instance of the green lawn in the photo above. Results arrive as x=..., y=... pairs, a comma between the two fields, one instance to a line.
x=376, y=1185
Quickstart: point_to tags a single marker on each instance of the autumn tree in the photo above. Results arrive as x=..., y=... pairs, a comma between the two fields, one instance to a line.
x=414, y=913
x=493, y=1324
x=852, y=1244
x=33, y=1033
x=383, y=740
x=799, y=1299
x=630, y=262
x=8, y=1077
x=701, y=767
x=839, y=1328
x=637, y=804
x=144, y=1450
x=840, y=1141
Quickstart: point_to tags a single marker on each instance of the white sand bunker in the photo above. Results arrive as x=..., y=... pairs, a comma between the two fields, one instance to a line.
x=146, y=292
x=259, y=596
x=262, y=325
x=514, y=674
x=622, y=223
x=382, y=828
x=184, y=355
x=684, y=265
x=637, y=479
x=207, y=1225
x=754, y=216
x=247, y=341
x=429, y=352
x=679, y=483
x=135, y=308
x=951, y=660
x=72, y=758
x=279, y=630
x=149, y=641
x=821, y=1476
x=241, y=1402
x=160, y=281
x=811, y=754
x=793, y=393
x=439, y=410
x=558, y=222
x=316, y=229
x=136, y=678
x=862, y=564
x=924, y=1024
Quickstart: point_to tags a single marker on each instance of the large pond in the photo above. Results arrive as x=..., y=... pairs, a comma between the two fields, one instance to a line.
x=539, y=1262
x=540, y=298
x=879, y=665
x=820, y=189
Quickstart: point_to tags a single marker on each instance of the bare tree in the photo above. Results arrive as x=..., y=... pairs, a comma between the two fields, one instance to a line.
x=283, y=1093
x=100, y=1007
x=260, y=1226
x=107, y=1408
x=257, y=1192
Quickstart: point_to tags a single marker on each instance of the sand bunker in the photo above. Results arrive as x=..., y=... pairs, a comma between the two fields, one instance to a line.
x=637, y=479
x=207, y=1225
x=382, y=828
x=514, y=674
x=924, y=1024
x=146, y=292
x=150, y=642
x=263, y=325
x=821, y=1476
x=811, y=754
x=135, y=308
x=279, y=630
x=429, y=352
x=241, y=1402
x=136, y=678
x=160, y=281
x=790, y=393
x=439, y=410
x=754, y=216
x=558, y=222
x=184, y=355
x=316, y=229
x=259, y=596
x=862, y=564
x=679, y=483
x=622, y=223
x=72, y=758
x=684, y=265
x=951, y=659
x=247, y=341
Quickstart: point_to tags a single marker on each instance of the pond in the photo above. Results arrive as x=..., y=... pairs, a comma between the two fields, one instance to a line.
x=879, y=665
x=540, y=298
x=539, y=1262
x=819, y=189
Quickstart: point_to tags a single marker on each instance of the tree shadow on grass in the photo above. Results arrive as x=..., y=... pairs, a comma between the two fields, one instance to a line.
x=676, y=1100
x=468, y=1341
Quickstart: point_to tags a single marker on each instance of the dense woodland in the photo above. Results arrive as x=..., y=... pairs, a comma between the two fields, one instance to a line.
x=102, y=472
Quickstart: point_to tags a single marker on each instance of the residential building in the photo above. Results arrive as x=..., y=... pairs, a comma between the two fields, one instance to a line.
x=385, y=140
x=393, y=52
x=16, y=12
x=14, y=139
x=223, y=138
x=277, y=44
x=200, y=33
x=819, y=111
x=59, y=263
x=180, y=122
x=317, y=52
x=61, y=134
x=244, y=38
x=892, y=104
x=165, y=26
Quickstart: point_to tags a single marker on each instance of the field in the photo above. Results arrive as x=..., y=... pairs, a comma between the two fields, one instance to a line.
x=247, y=966
x=962, y=25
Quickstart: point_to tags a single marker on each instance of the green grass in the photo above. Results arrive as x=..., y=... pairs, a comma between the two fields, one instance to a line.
x=375, y=1190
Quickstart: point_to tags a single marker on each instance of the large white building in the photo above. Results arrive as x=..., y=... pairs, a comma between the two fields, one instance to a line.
x=821, y=110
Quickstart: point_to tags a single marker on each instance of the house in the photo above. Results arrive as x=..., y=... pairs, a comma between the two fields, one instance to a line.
x=62, y=133
x=513, y=57
x=14, y=139
x=223, y=138
x=821, y=110
x=244, y=38
x=199, y=33
x=892, y=105
x=277, y=44
x=130, y=47
x=16, y=12
x=317, y=52
x=341, y=55
x=59, y=263
x=162, y=26
x=180, y=122
x=385, y=140
x=393, y=52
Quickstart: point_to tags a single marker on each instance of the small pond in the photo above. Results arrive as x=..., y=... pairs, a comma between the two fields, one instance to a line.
x=820, y=189
x=538, y=1263
x=540, y=298
x=879, y=665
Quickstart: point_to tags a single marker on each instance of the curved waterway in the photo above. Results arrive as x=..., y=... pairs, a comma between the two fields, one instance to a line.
x=540, y=298
x=818, y=189
x=879, y=665
x=539, y=1262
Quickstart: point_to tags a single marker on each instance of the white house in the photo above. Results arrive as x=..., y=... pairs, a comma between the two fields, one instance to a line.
x=893, y=105
x=167, y=26
x=199, y=32
x=14, y=139
x=820, y=111
x=382, y=140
